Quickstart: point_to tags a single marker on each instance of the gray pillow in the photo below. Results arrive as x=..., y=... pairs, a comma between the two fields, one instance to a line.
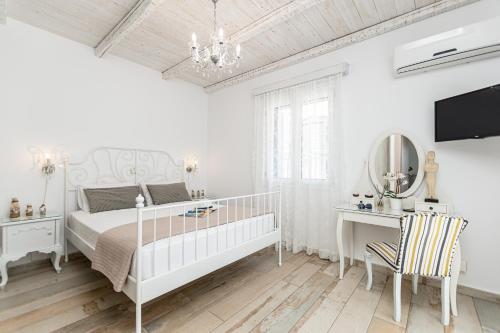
x=113, y=198
x=168, y=193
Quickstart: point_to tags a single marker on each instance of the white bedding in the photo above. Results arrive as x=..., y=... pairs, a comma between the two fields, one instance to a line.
x=90, y=226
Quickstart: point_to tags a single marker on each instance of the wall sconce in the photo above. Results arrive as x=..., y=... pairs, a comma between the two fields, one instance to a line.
x=48, y=167
x=191, y=165
x=46, y=161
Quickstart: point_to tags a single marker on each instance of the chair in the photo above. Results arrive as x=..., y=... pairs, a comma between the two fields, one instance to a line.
x=426, y=247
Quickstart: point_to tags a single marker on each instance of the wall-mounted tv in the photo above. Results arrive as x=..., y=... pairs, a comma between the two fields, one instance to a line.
x=473, y=115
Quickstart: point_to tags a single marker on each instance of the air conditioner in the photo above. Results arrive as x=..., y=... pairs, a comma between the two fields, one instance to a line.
x=470, y=43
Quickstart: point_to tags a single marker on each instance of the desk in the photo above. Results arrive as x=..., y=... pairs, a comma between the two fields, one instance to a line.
x=385, y=218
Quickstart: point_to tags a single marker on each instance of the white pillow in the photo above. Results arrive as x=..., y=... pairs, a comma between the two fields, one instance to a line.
x=83, y=202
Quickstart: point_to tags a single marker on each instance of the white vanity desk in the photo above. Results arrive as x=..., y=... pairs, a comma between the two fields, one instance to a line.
x=385, y=218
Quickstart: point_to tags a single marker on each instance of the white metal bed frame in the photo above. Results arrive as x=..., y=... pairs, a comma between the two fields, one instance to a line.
x=108, y=165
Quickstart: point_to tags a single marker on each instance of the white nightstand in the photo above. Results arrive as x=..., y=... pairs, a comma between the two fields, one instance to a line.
x=29, y=234
x=204, y=199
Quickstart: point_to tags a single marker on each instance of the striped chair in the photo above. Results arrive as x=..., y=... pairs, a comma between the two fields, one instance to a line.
x=426, y=247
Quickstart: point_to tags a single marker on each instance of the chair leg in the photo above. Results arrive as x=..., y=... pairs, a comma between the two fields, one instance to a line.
x=414, y=285
x=445, y=301
x=368, y=263
x=397, y=296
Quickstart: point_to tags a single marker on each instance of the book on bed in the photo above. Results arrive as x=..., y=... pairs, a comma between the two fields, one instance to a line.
x=199, y=212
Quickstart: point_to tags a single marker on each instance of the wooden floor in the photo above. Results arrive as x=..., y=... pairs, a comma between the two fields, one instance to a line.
x=252, y=295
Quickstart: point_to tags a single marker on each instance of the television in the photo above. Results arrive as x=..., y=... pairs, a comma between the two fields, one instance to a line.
x=473, y=115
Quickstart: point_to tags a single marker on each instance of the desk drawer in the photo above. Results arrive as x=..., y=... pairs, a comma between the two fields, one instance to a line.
x=428, y=207
x=30, y=237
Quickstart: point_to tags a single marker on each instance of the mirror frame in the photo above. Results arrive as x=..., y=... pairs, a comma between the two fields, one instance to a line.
x=421, y=162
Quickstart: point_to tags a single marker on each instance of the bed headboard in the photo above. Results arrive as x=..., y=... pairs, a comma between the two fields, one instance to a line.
x=110, y=165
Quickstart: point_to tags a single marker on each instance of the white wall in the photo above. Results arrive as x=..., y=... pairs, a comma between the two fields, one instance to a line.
x=373, y=102
x=55, y=92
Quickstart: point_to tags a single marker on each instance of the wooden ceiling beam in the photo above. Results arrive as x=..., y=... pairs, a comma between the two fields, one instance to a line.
x=141, y=10
x=257, y=27
x=3, y=12
x=361, y=35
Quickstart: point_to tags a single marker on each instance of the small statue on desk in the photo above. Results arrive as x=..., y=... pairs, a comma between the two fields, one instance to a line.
x=29, y=210
x=15, y=209
x=431, y=169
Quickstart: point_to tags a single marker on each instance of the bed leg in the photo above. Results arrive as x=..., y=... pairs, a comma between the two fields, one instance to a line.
x=66, y=259
x=138, y=319
x=279, y=254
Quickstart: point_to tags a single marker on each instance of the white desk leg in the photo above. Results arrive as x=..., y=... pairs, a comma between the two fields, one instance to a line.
x=55, y=257
x=340, y=221
x=455, y=272
x=351, y=242
x=3, y=272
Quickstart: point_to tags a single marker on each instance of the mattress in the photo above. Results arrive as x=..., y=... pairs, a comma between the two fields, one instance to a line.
x=197, y=245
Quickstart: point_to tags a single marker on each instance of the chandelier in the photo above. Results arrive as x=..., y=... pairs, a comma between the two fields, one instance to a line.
x=218, y=57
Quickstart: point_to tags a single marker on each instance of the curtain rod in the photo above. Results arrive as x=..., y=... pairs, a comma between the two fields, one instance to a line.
x=341, y=68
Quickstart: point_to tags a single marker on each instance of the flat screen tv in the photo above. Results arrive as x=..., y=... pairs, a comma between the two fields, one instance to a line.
x=473, y=115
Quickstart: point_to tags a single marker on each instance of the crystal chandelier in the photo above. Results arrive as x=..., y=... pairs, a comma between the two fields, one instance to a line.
x=218, y=57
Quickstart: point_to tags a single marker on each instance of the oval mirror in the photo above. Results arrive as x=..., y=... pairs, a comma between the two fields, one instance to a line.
x=397, y=162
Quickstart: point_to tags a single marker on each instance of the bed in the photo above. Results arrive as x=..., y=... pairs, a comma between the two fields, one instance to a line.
x=189, y=247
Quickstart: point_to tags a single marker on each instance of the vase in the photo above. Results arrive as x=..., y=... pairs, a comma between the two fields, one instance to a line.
x=396, y=203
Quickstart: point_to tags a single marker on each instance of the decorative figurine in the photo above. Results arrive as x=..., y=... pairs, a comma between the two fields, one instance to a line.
x=43, y=210
x=431, y=169
x=29, y=210
x=15, y=209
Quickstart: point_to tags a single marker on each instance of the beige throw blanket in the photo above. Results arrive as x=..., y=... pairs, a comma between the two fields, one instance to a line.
x=115, y=247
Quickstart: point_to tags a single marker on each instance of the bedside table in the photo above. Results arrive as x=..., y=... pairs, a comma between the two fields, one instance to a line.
x=29, y=234
x=203, y=199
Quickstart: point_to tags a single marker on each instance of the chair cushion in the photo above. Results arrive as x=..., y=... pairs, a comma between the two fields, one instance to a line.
x=386, y=251
x=428, y=242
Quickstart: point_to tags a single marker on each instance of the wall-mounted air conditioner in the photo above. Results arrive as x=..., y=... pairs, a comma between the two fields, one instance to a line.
x=470, y=43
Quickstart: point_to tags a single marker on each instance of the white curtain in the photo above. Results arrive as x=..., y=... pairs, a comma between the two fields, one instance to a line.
x=298, y=149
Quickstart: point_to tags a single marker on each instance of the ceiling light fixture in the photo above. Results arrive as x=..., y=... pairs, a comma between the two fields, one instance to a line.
x=218, y=57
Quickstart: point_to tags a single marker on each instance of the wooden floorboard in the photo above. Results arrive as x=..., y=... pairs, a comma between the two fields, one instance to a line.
x=284, y=318
x=489, y=315
x=251, y=295
x=385, y=309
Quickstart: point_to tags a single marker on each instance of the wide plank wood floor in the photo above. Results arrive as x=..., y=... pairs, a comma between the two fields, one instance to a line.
x=252, y=295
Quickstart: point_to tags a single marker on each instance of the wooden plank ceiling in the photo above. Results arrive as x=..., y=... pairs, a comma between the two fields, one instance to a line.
x=273, y=33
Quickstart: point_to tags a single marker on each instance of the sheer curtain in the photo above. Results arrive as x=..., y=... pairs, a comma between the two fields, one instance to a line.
x=298, y=150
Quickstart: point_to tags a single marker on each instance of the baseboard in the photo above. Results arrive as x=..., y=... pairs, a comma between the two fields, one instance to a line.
x=469, y=291
x=32, y=262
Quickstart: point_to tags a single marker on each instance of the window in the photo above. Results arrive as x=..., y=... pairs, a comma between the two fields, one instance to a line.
x=314, y=140
x=297, y=134
x=282, y=147
x=313, y=129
